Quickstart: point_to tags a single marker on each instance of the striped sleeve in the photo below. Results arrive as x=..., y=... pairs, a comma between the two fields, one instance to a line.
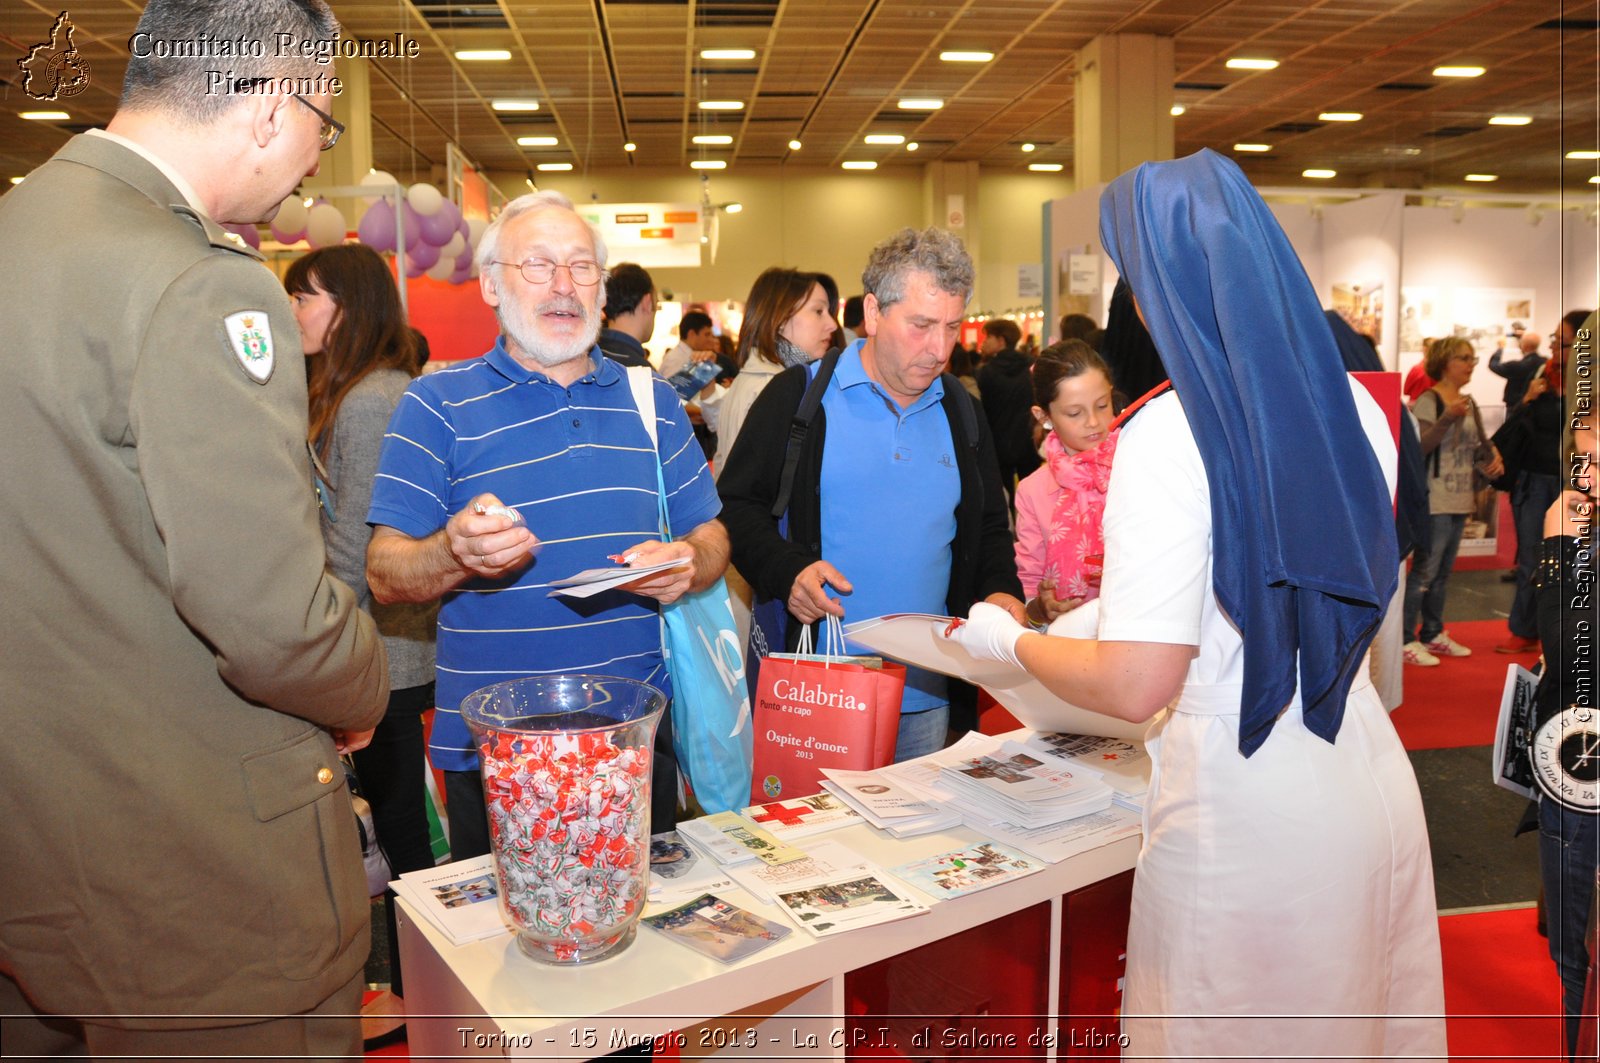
x=412, y=486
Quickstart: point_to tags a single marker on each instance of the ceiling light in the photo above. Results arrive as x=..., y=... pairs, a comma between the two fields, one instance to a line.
x=1510, y=119
x=707, y=164
x=884, y=138
x=1339, y=116
x=515, y=105
x=1583, y=154
x=794, y=145
x=1046, y=167
x=16, y=180
x=1482, y=177
x=722, y=105
x=44, y=116
x=712, y=138
x=1320, y=175
x=858, y=165
x=1177, y=109
x=727, y=53
x=483, y=55
x=920, y=103
x=630, y=146
x=733, y=208
x=1457, y=71
x=537, y=142
x=1252, y=147
x=912, y=146
x=1028, y=147
x=554, y=167
x=965, y=57
x=1243, y=63
x=1595, y=180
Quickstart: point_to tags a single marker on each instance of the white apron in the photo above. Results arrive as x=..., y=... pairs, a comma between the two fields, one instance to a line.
x=1283, y=904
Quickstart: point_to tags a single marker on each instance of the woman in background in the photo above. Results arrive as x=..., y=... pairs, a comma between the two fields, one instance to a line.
x=362, y=358
x=1451, y=433
x=786, y=323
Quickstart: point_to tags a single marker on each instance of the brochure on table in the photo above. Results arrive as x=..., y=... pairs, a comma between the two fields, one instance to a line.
x=918, y=639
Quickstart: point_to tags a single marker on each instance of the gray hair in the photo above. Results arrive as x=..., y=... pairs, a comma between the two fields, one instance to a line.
x=933, y=251
x=274, y=45
x=489, y=244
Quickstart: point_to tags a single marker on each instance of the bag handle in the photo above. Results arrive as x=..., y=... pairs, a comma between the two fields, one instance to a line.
x=832, y=644
x=641, y=382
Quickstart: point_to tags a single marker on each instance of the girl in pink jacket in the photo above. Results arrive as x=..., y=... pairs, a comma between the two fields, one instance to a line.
x=1059, y=504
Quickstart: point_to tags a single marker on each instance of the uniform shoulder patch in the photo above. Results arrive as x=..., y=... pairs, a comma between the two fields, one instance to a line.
x=250, y=335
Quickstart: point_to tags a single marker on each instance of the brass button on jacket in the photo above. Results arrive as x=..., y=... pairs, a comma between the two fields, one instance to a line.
x=325, y=775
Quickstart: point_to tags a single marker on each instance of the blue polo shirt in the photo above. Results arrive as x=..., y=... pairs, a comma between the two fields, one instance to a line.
x=890, y=487
x=578, y=466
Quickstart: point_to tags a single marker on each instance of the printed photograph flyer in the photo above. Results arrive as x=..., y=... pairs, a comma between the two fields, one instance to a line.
x=801, y=817
x=461, y=898
x=715, y=928
x=731, y=839
x=967, y=870
x=852, y=900
x=678, y=873
x=824, y=860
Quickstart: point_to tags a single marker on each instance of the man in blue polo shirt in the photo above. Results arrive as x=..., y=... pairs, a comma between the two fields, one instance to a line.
x=546, y=426
x=897, y=504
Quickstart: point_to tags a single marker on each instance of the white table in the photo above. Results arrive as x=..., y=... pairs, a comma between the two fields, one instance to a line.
x=488, y=999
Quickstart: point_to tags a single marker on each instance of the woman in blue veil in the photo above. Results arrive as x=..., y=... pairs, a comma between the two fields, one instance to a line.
x=1283, y=902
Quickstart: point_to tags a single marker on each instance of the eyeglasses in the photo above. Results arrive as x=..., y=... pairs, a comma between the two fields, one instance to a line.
x=331, y=126
x=543, y=271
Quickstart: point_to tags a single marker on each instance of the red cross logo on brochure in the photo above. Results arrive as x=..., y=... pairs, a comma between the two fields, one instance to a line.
x=1111, y=756
x=789, y=817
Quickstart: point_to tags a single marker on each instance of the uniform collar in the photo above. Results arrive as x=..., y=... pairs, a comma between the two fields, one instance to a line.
x=185, y=189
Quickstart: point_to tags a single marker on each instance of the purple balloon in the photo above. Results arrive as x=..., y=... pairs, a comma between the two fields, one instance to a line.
x=440, y=226
x=461, y=276
x=283, y=236
x=413, y=224
x=376, y=228
x=464, y=260
x=413, y=271
x=423, y=256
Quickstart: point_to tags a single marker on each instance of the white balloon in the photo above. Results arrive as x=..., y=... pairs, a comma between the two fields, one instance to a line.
x=442, y=269
x=291, y=216
x=378, y=177
x=454, y=248
x=325, y=226
x=424, y=198
x=476, y=225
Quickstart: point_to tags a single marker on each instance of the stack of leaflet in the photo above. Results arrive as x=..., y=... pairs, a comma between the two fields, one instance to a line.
x=1052, y=842
x=1023, y=786
x=886, y=804
x=802, y=817
x=731, y=840
x=1123, y=766
x=460, y=899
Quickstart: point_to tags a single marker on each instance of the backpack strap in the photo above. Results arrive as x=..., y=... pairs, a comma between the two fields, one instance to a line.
x=966, y=410
x=800, y=427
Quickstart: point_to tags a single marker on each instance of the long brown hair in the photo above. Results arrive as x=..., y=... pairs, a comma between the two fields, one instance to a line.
x=368, y=330
x=775, y=297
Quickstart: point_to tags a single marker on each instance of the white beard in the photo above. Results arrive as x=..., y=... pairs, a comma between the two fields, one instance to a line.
x=520, y=322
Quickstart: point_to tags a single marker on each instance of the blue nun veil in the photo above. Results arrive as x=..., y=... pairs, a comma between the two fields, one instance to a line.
x=1302, y=527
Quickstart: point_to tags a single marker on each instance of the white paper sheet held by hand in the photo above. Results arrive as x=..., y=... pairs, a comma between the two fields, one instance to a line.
x=594, y=580
x=918, y=639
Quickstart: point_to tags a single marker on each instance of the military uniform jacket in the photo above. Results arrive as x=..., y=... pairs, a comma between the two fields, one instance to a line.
x=177, y=835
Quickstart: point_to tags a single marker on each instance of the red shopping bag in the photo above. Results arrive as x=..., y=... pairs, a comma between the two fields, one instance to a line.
x=812, y=713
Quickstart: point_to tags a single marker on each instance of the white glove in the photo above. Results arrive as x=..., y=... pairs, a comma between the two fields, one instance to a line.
x=990, y=634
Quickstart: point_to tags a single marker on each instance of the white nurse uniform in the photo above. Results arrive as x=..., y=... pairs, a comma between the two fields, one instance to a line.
x=1283, y=905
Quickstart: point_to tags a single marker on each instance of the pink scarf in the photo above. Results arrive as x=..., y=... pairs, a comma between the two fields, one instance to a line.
x=1074, y=551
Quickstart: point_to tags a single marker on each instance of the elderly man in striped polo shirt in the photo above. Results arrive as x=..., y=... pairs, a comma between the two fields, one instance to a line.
x=545, y=426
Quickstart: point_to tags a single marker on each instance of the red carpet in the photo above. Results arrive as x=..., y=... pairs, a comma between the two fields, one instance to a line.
x=1500, y=987
x=1457, y=703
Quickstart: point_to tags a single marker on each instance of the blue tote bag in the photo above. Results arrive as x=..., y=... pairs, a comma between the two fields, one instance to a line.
x=710, y=703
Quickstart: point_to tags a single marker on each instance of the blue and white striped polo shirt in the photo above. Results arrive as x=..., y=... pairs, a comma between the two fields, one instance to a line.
x=576, y=463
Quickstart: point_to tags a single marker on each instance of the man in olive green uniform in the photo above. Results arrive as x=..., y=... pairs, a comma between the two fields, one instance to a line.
x=179, y=672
